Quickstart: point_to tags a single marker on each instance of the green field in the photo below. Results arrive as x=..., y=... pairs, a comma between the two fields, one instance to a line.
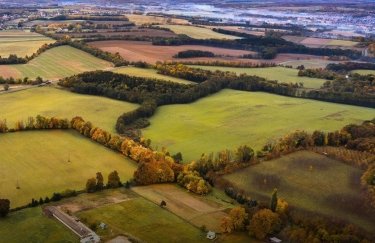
x=43, y=166
x=364, y=72
x=231, y=118
x=143, y=220
x=311, y=63
x=149, y=73
x=21, y=43
x=49, y=101
x=30, y=225
x=56, y=63
x=197, y=32
x=309, y=181
x=284, y=75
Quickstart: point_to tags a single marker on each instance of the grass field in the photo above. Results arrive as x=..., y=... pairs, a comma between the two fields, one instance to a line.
x=312, y=182
x=56, y=63
x=143, y=220
x=197, y=32
x=284, y=75
x=43, y=168
x=364, y=72
x=49, y=101
x=312, y=63
x=149, y=73
x=30, y=225
x=145, y=19
x=21, y=43
x=320, y=42
x=195, y=209
x=231, y=118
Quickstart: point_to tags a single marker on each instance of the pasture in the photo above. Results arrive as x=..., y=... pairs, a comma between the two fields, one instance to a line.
x=320, y=42
x=311, y=182
x=56, y=160
x=195, y=209
x=139, y=19
x=56, y=63
x=197, y=32
x=283, y=75
x=32, y=226
x=149, y=73
x=231, y=118
x=364, y=72
x=144, y=51
x=52, y=102
x=143, y=220
x=21, y=43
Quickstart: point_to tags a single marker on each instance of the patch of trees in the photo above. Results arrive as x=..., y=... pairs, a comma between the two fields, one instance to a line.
x=184, y=72
x=25, y=80
x=350, y=66
x=194, y=53
x=227, y=64
x=37, y=123
x=12, y=59
x=318, y=73
x=95, y=184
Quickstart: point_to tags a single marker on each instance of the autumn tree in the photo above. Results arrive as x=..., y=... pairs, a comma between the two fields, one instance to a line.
x=99, y=181
x=226, y=224
x=264, y=222
x=113, y=180
x=91, y=185
x=4, y=207
x=239, y=218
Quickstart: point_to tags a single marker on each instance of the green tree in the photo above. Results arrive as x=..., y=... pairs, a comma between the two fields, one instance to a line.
x=6, y=87
x=4, y=207
x=91, y=185
x=113, y=180
x=273, y=203
x=99, y=181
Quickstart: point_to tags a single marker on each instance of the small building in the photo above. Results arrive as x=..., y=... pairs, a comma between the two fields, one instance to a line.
x=275, y=240
x=211, y=235
x=102, y=226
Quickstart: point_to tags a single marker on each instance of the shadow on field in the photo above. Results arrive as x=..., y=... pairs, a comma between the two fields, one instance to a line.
x=266, y=182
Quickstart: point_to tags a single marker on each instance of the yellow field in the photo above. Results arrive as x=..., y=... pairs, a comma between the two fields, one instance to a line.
x=197, y=32
x=145, y=19
x=21, y=43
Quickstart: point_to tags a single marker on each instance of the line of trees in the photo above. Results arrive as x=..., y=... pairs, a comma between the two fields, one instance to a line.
x=350, y=66
x=194, y=53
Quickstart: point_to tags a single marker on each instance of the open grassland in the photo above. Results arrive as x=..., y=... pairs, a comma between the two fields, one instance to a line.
x=149, y=73
x=30, y=225
x=231, y=118
x=195, y=209
x=39, y=162
x=197, y=32
x=56, y=63
x=284, y=75
x=146, y=19
x=311, y=182
x=53, y=102
x=309, y=63
x=143, y=220
x=364, y=72
x=21, y=43
x=145, y=51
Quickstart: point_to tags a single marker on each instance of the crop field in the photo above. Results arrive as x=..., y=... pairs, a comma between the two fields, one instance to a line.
x=133, y=217
x=56, y=160
x=134, y=32
x=149, y=73
x=53, y=102
x=197, y=32
x=145, y=51
x=56, y=63
x=146, y=19
x=32, y=226
x=311, y=182
x=21, y=43
x=231, y=118
x=195, y=209
x=364, y=72
x=320, y=42
x=283, y=75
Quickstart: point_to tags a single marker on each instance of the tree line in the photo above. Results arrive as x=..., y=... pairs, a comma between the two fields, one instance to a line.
x=350, y=66
x=194, y=53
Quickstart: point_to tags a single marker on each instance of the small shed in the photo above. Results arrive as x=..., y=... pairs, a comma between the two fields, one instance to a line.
x=211, y=235
x=275, y=240
x=102, y=226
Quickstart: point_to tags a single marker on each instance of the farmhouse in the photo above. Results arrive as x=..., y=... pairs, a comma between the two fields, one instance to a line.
x=211, y=235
